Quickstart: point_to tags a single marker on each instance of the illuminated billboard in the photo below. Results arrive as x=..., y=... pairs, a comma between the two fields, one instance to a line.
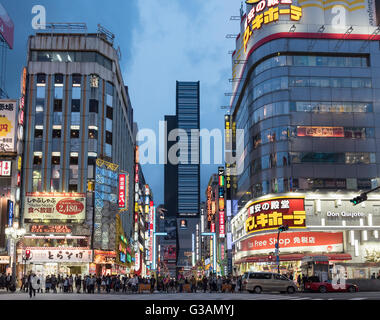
x=8, y=110
x=55, y=206
x=271, y=213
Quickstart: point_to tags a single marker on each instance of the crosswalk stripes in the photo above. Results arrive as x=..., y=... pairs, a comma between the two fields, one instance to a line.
x=357, y=299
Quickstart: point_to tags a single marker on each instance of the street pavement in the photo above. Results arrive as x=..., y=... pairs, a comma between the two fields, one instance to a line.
x=192, y=296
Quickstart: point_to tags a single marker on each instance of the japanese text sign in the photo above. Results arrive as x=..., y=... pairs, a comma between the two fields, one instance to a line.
x=272, y=213
x=56, y=206
x=60, y=255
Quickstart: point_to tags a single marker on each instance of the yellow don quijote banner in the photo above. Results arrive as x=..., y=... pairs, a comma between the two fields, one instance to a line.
x=271, y=213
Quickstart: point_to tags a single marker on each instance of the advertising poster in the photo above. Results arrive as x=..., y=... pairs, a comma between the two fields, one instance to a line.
x=272, y=213
x=8, y=125
x=55, y=206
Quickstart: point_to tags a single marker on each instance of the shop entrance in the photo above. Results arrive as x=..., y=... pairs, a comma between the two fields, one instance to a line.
x=75, y=270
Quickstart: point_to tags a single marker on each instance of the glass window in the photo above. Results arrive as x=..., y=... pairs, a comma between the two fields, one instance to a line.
x=56, y=133
x=73, y=160
x=37, y=159
x=41, y=78
x=57, y=105
x=109, y=113
x=55, y=159
x=38, y=133
x=75, y=105
x=40, y=92
x=92, y=134
x=58, y=78
x=108, y=137
x=94, y=105
x=74, y=133
x=77, y=78
x=76, y=93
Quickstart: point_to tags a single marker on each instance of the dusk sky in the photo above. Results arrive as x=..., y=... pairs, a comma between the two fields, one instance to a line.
x=161, y=41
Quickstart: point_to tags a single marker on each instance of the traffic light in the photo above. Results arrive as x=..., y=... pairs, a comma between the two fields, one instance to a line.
x=283, y=228
x=27, y=254
x=359, y=199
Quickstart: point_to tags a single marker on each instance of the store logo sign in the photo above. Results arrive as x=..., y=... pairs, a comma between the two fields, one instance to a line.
x=257, y=16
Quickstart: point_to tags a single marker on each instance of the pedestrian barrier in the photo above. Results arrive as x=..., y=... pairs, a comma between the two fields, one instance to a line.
x=144, y=287
x=186, y=288
x=226, y=288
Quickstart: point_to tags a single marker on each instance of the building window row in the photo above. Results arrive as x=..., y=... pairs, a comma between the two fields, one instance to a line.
x=279, y=185
x=283, y=133
x=283, y=83
x=311, y=61
x=282, y=159
x=71, y=56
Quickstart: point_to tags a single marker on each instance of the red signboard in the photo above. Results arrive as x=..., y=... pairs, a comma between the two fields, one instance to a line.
x=222, y=226
x=332, y=132
x=326, y=241
x=6, y=27
x=170, y=252
x=212, y=227
x=49, y=229
x=122, y=190
x=271, y=213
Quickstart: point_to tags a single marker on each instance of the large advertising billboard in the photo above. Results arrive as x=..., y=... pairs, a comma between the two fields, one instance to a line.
x=8, y=125
x=270, y=214
x=55, y=206
x=6, y=27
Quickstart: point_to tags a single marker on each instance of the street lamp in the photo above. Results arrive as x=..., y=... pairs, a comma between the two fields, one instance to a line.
x=13, y=235
x=277, y=246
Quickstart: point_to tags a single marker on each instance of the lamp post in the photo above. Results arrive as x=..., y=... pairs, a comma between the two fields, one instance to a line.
x=13, y=235
x=277, y=246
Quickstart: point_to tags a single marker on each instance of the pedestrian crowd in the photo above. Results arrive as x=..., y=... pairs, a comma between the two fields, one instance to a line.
x=91, y=284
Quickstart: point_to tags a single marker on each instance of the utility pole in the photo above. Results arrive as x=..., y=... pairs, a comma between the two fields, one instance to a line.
x=277, y=246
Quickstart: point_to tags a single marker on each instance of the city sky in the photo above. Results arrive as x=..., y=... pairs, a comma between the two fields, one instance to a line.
x=161, y=41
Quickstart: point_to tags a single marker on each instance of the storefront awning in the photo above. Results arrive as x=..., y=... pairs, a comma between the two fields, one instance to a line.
x=295, y=257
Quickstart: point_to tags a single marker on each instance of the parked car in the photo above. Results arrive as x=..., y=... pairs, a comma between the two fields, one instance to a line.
x=315, y=285
x=257, y=282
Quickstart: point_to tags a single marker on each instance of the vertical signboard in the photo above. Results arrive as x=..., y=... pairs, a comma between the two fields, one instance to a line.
x=222, y=230
x=7, y=125
x=122, y=190
x=10, y=213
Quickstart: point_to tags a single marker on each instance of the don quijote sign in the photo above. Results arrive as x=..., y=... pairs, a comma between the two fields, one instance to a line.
x=55, y=206
x=344, y=214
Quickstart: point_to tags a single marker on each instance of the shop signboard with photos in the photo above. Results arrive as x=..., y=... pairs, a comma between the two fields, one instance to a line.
x=55, y=206
x=270, y=214
x=8, y=110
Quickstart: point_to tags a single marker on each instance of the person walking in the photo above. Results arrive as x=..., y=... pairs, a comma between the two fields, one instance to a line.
x=54, y=283
x=152, y=284
x=193, y=283
x=33, y=284
x=78, y=283
x=98, y=283
x=204, y=282
x=42, y=283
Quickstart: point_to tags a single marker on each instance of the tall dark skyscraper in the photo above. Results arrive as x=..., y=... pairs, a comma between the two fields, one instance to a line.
x=182, y=201
x=187, y=108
